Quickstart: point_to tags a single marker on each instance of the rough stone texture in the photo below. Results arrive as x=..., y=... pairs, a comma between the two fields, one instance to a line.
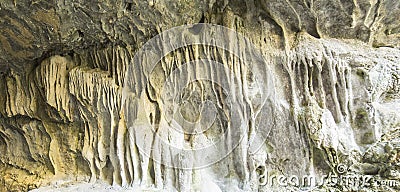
x=336, y=98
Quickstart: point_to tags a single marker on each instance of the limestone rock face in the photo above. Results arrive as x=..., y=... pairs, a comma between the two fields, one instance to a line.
x=313, y=90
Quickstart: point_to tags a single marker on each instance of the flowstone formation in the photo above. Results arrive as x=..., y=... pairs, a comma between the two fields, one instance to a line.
x=200, y=95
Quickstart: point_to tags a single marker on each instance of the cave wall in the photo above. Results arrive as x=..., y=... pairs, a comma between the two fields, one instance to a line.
x=329, y=79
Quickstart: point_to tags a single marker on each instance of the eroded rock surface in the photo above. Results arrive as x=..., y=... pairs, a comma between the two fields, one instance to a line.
x=331, y=94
